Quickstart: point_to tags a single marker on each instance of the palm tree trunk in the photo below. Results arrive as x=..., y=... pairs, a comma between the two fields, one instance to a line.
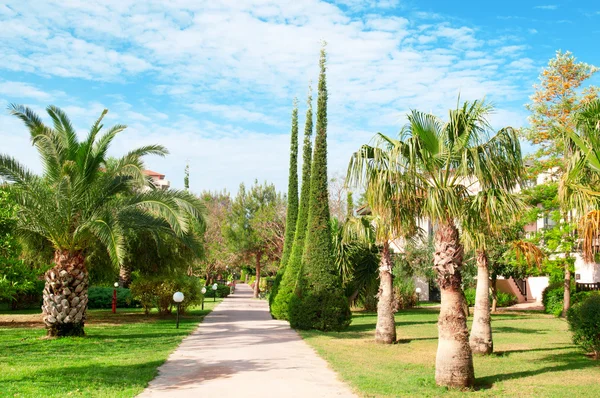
x=481, y=333
x=454, y=360
x=567, y=294
x=494, y=292
x=65, y=295
x=257, y=280
x=385, y=331
x=124, y=276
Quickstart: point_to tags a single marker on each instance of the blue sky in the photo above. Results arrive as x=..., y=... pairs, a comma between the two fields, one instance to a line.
x=213, y=81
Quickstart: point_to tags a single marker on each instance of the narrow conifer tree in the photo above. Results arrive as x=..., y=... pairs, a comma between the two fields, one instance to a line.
x=319, y=301
x=281, y=301
x=292, y=204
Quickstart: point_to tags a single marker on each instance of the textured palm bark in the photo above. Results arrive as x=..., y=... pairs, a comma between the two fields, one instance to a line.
x=454, y=360
x=66, y=295
x=385, y=331
x=124, y=276
x=257, y=280
x=481, y=332
x=494, y=293
x=567, y=294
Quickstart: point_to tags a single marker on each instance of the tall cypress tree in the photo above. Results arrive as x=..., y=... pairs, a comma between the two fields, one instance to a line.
x=281, y=300
x=292, y=205
x=319, y=302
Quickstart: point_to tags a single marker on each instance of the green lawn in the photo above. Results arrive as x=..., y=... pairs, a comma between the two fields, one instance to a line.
x=534, y=357
x=117, y=358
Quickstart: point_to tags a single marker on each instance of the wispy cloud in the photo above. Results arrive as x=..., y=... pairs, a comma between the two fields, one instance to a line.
x=547, y=7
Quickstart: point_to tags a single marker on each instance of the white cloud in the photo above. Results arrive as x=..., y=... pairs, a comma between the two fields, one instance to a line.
x=19, y=90
x=546, y=7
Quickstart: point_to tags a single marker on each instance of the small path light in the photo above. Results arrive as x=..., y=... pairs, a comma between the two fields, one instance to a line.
x=178, y=298
x=203, y=293
x=418, y=290
x=114, y=302
x=214, y=287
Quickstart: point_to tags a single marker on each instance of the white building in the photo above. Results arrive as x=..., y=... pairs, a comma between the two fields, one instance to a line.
x=158, y=179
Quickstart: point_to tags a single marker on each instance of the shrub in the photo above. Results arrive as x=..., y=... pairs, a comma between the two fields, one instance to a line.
x=584, y=322
x=101, y=297
x=222, y=291
x=323, y=310
x=404, y=291
x=506, y=299
x=470, y=296
x=20, y=284
x=157, y=292
x=552, y=298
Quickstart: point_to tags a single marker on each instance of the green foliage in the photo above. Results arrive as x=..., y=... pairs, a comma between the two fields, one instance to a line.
x=321, y=310
x=584, y=322
x=552, y=298
x=404, y=292
x=221, y=292
x=292, y=207
x=279, y=301
x=157, y=292
x=8, y=222
x=503, y=299
x=17, y=279
x=320, y=302
x=101, y=297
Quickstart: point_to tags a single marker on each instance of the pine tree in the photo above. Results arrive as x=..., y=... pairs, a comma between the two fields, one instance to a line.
x=319, y=302
x=186, y=179
x=281, y=300
x=292, y=205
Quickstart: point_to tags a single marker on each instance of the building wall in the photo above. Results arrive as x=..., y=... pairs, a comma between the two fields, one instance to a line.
x=587, y=272
x=535, y=287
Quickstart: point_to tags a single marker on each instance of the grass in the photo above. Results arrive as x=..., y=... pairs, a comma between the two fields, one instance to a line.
x=534, y=357
x=118, y=356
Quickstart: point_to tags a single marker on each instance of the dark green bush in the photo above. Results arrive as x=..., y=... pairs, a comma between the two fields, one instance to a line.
x=222, y=291
x=323, y=310
x=584, y=322
x=101, y=297
x=157, y=292
x=553, y=297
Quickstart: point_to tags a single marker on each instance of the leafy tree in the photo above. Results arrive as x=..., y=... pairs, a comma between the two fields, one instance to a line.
x=82, y=199
x=444, y=159
x=321, y=303
x=556, y=101
x=292, y=204
x=280, y=299
x=255, y=225
x=186, y=178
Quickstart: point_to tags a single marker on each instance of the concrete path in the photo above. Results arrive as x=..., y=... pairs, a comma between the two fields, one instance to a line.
x=239, y=351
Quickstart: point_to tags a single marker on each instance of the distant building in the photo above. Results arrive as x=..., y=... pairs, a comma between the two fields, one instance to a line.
x=158, y=179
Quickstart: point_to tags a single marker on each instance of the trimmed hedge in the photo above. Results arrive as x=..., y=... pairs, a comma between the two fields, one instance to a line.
x=157, y=292
x=222, y=291
x=504, y=299
x=326, y=311
x=101, y=297
x=584, y=322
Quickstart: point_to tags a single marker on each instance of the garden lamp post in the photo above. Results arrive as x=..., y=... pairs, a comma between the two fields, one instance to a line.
x=203, y=293
x=114, y=302
x=418, y=290
x=178, y=298
x=214, y=287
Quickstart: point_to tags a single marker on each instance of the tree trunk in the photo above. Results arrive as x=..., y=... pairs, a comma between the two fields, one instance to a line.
x=454, y=360
x=567, y=294
x=481, y=332
x=385, y=331
x=124, y=276
x=494, y=292
x=257, y=280
x=66, y=295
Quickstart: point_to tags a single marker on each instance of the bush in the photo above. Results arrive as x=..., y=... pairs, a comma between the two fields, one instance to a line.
x=324, y=310
x=584, y=322
x=506, y=299
x=552, y=298
x=20, y=284
x=404, y=291
x=222, y=291
x=470, y=296
x=101, y=297
x=157, y=292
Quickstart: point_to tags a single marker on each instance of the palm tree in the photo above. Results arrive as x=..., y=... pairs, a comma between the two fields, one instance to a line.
x=450, y=161
x=82, y=199
x=394, y=207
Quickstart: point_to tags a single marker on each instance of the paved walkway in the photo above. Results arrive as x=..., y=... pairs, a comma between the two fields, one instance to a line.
x=239, y=351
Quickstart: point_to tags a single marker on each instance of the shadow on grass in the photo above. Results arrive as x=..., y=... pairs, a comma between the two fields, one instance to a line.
x=506, y=353
x=564, y=362
x=510, y=329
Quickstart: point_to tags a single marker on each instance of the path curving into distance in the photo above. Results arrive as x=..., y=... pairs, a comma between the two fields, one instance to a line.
x=240, y=351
